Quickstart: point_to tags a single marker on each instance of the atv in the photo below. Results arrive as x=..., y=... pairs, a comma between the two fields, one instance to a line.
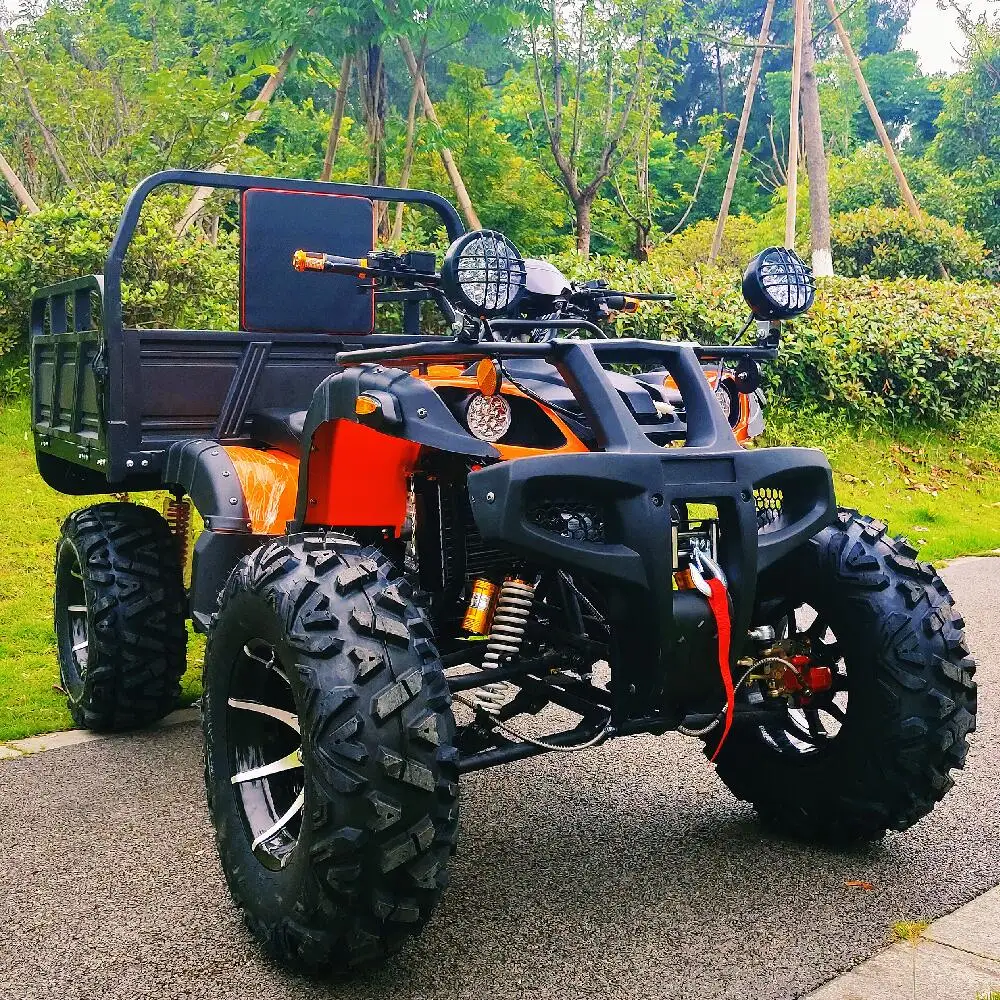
x=427, y=554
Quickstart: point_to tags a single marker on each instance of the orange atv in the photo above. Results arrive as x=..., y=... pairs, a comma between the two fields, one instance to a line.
x=424, y=555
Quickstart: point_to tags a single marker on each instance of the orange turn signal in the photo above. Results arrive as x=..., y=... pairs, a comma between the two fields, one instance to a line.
x=488, y=377
x=365, y=405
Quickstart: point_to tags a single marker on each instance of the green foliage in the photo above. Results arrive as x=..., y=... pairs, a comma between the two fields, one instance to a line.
x=908, y=351
x=168, y=280
x=890, y=243
x=865, y=180
x=744, y=236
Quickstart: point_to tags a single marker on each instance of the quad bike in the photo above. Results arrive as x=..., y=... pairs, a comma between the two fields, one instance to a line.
x=427, y=555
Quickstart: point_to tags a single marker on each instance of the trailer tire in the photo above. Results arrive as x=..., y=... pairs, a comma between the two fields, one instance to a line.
x=911, y=699
x=328, y=636
x=119, y=616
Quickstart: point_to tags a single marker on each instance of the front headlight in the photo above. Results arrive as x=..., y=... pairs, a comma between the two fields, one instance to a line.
x=726, y=401
x=488, y=417
x=778, y=284
x=483, y=274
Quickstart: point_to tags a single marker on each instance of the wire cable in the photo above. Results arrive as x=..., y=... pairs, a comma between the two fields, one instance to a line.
x=525, y=738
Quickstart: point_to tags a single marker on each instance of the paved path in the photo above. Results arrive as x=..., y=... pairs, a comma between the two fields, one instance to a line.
x=957, y=956
x=626, y=872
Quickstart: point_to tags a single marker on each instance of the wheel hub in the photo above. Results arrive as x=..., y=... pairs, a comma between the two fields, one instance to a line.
x=265, y=762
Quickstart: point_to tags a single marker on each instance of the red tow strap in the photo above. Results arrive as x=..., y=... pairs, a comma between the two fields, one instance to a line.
x=719, y=603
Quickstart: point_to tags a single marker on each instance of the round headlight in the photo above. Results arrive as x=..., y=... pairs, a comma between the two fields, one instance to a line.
x=483, y=273
x=726, y=401
x=488, y=417
x=777, y=284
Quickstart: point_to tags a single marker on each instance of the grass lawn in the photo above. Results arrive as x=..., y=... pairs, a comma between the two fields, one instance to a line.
x=941, y=489
x=30, y=516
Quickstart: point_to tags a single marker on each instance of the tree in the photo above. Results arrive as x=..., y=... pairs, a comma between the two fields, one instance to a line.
x=596, y=84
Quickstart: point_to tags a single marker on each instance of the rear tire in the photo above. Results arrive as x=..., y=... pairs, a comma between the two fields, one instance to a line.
x=119, y=616
x=911, y=700
x=326, y=635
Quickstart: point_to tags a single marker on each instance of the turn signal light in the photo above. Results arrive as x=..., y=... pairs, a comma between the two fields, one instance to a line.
x=364, y=406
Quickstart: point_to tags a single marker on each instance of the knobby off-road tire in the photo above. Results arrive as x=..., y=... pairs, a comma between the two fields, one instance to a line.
x=911, y=699
x=380, y=779
x=119, y=616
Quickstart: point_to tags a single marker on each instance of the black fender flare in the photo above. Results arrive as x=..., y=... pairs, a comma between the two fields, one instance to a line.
x=207, y=474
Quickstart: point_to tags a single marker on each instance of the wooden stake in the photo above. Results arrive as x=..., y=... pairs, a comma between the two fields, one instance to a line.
x=866, y=94
x=816, y=165
x=792, y=203
x=339, y=103
x=461, y=192
x=741, y=135
x=20, y=191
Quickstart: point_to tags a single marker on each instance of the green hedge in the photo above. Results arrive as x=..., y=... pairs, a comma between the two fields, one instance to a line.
x=168, y=280
x=890, y=243
x=908, y=351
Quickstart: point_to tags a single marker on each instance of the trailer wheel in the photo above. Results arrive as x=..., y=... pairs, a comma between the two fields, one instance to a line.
x=119, y=616
x=873, y=752
x=330, y=760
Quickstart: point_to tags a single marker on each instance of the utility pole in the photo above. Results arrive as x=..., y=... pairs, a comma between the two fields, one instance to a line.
x=793, y=128
x=741, y=135
x=816, y=165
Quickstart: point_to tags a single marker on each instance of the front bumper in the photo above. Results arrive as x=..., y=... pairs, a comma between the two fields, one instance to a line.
x=770, y=501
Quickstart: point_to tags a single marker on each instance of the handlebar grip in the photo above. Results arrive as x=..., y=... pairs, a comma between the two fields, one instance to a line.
x=308, y=260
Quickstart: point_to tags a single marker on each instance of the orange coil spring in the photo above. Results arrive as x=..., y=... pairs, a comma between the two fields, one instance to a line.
x=177, y=514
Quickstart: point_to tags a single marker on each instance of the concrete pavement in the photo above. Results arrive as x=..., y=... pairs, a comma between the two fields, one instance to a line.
x=628, y=871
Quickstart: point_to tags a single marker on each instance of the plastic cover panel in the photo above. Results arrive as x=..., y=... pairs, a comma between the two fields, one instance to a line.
x=275, y=298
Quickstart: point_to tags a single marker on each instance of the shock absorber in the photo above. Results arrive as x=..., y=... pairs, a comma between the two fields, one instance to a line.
x=177, y=514
x=510, y=618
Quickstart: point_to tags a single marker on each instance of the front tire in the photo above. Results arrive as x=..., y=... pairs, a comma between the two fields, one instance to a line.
x=119, y=607
x=320, y=676
x=909, y=700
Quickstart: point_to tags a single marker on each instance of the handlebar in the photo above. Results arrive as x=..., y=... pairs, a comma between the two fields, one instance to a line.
x=307, y=260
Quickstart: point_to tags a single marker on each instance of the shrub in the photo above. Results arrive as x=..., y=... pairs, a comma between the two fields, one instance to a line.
x=890, y=243
x=168, y=280
x=865, y=180
x=744, y=236
x=904, y=350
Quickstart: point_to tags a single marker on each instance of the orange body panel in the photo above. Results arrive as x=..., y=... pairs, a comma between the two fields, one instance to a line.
x=358, y=476
x=445, y=375
x=270, y=484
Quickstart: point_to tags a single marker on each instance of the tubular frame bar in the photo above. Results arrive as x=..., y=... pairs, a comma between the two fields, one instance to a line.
x=242, y=182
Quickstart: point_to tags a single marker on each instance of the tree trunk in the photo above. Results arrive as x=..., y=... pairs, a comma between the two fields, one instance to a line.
x=408, y=154
x=741, y=135
x=583, y=206
x=890, y=152
x=816, y=165
x=47, y=137
x=20, y=191
x=267, y=92
x=792, y=204
x=461, y=192
x=339, y=103
x=371, y=77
